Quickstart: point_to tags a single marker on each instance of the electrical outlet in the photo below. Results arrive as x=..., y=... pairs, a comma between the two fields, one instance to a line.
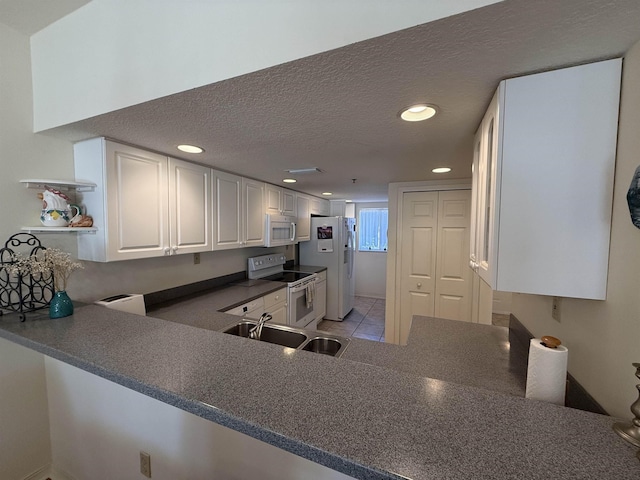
x=145, y=464
x=196, y=258
x=555, y=308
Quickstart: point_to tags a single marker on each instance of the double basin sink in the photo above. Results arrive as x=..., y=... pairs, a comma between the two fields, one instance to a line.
x=293, y=338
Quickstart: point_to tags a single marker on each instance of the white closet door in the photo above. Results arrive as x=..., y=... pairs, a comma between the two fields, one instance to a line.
x=453, y=286
x=418, y=264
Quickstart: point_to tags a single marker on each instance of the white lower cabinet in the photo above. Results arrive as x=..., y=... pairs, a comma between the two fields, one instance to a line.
x=320, y=302
x=275, y=304
x=544, y=159
x=144, y=205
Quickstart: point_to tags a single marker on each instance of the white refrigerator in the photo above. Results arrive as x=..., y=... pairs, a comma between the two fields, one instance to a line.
x=332, y=245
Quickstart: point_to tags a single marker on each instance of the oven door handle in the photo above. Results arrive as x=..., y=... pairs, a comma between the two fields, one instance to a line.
x=302, y=288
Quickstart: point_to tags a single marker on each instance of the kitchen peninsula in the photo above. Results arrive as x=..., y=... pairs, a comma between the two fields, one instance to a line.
x=367, y=421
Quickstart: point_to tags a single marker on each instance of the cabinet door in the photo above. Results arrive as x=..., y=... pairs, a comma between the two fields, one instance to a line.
x=189, y=207
x=253, y=209
x=453, y=290
x=273, y=199
x=278, y=313
x=227, y=207
x=288, y=202
x=137, y=203
x=320, y=206
x=475, y=201
x=303, y=228
x=418, y=263
x=488, y=191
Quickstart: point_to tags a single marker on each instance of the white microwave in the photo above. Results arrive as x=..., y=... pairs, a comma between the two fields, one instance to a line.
x=280, y=230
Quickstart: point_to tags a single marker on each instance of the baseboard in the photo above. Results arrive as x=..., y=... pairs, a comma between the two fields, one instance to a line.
x=377, y=297
x=49, y=472
x=576, y=397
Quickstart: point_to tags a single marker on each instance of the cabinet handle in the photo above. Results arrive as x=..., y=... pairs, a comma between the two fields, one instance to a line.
x=167, y=251
x=419, y=285
x=174, y=248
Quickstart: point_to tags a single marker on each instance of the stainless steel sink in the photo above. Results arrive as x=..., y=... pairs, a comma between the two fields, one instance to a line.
x=308, y=340
x=325, y=345
x=270, y=334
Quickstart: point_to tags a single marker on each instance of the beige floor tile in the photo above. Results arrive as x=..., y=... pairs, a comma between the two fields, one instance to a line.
x=375, y=338
x=368, y=329
x=373, y=320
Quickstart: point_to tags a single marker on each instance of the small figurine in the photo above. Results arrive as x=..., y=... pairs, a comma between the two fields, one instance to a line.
x=81, y=221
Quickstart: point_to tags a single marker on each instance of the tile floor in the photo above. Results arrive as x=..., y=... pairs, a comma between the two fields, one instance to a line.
x=366, y=320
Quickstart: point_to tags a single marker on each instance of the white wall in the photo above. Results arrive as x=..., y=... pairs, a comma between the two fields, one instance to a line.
x=371, y=267
x=111, y=54
x=99, y=280
x=98, y=429
x=24, y=422
x=603, y=336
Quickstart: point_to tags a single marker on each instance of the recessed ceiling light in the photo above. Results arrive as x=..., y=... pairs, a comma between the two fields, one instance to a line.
x=327, y=194
x=190, y=149
x=441, y=170
x=289, y=180
x=417, y=113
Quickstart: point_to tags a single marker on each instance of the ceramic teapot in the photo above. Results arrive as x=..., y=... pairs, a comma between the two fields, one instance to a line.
x=56, y=211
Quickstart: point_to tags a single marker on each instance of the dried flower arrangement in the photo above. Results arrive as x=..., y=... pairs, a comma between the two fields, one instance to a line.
x=47, y=262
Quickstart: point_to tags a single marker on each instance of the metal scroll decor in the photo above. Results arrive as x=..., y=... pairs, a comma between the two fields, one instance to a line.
x=22, y=291
x=633, y=198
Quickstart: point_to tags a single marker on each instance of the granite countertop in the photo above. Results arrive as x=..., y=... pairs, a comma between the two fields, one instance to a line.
x=200, y=305
x=460, y=352
x=368, y=421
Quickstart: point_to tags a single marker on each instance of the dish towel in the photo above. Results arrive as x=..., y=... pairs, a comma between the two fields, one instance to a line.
x=310, y=293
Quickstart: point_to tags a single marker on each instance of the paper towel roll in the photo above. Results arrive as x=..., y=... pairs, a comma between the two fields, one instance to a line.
x=546, y=373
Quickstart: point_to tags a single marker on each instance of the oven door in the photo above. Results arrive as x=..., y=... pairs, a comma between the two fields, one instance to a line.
x=301, y=302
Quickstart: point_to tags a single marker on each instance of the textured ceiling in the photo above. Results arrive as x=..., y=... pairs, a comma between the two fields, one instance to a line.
x=338, y=110
x=30, y=16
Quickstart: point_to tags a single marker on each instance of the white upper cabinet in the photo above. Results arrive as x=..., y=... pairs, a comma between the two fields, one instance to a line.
x=303, y=227
x=238, y=211
x=320, y=206
x=279, y=201
x=543, y=182
x=190, y=205
x=253, y=209
x=289, y=202
x=227, y=207
x=130, y=205
x=144, y=204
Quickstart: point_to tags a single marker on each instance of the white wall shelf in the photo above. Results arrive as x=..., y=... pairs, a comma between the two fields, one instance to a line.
x=43, y=229
x=59, y=184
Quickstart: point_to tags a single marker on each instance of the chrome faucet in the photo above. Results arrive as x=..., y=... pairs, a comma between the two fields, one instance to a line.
x=256, y=331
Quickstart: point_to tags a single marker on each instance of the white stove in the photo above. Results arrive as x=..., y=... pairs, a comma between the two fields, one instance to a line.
x=300, y=286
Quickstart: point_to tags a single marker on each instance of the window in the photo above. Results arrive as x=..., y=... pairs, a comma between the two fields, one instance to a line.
x=372, y=229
